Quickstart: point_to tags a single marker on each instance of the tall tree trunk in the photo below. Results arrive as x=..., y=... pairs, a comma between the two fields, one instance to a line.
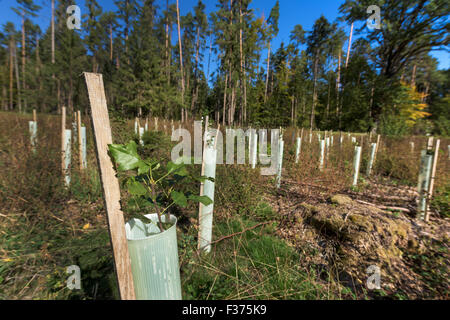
x=316, y=62
x=195, y=88
x=225, y=99
x=245, y=94
x=11, y=70
x=413, y=76
x=181, y=62
x=38, y=73
x=292, y=111
x=167, y=41
x=52, y=24
x=110, y=43
x=338, y=83
x=349, y=46
x=23, y=54
x=209, y=56
x=242, y=74
x=16, y=67
x=267, y=73
x=328, y=100
x=372, y=91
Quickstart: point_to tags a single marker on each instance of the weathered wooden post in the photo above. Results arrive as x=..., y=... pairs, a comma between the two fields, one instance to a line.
x=373, y=149
x=356, y=164
x=412, y=146
x=110, y=184
x=34, y=115
x=432, y=178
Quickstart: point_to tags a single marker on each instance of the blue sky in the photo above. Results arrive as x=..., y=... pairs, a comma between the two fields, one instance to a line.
x=292, y=12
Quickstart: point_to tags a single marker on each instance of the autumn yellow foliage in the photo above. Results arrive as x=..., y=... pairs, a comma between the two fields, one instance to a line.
x=411, y=105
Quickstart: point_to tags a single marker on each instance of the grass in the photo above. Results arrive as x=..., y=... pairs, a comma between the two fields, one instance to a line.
x=261, y=266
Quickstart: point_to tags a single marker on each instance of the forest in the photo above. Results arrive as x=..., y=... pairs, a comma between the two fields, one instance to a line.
x=340, y=191
x=157, y=62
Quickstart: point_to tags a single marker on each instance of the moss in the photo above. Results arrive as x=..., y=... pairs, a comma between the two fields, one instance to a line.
x=362, y=222
x=341, y=199
x=310, y=208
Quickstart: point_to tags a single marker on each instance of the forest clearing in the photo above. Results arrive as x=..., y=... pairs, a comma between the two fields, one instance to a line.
x=181, y=150
x=313, y=238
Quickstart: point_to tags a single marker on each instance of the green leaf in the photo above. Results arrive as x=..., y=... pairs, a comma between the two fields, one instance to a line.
x=179, y=169
x=179, y=198
x=136, y=188
x=205, y=200
x=125, y=155
x=143, y=167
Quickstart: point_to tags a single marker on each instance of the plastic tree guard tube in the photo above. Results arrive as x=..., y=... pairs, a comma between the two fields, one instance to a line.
x=67, y=155
x=297, y=149
x=373, y=149
x=280, y=161
x=356, y=163
x=83, y=148
x=322, y=154
x=425, y=172
x=154, y=259
x=33, y=134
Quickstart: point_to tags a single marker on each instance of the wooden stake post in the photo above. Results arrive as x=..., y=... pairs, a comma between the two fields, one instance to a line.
x=110, y=184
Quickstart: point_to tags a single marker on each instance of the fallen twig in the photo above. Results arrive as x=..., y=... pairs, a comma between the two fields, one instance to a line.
x=241, y=232
x=384, y=207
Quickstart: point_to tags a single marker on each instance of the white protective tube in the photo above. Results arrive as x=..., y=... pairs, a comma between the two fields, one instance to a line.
x=425, y=173
x=33, y=134
x=83, y=148
x=206, y=212
x=356, y=163
x=141, y=133
x=280, y=161
x=254, y=149
x=322, y=154
x=67, y=155
x=373, y=149
x=298, y=149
